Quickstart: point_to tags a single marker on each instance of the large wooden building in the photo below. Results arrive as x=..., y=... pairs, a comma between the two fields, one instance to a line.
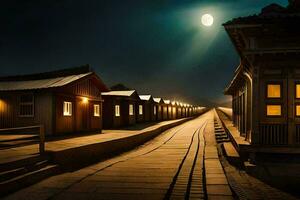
x=120, y=108
x=64, y=101
x=266, y=86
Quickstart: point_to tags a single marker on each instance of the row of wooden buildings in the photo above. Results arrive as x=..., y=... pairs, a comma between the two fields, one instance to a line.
x=76, y=100
x=123, y=108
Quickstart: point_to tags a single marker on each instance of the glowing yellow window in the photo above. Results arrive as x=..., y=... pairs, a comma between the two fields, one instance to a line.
x=117, y=110
x=298, y=110
x=273, y=110
x=274, y=91
x=297, y=91
x=140, y=109
x=130, y=109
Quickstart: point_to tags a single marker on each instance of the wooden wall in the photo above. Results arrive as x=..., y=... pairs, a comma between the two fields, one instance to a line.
x=64, y=124
x=131, y=118
x=139, y=118
x=159, y=109
x=147, y=111
x=108, y=112
x=9, y=110
x=82, y=118
x=165, y=112
x=112, y=121
x=153, y=116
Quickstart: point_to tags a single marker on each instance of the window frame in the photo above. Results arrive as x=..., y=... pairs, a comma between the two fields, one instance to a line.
x=117, y=110
x=141, y=109
x=131, y=110
x=273, y=104
x=296, y=104
x=274, y=83
x=32, y=103
x=154, y=110
x=97, y=108
x=296, y=83
x=70, y=108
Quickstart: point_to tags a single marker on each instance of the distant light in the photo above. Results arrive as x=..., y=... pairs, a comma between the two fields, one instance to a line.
x=85, y=100
x=2, y=105
x=207, y=20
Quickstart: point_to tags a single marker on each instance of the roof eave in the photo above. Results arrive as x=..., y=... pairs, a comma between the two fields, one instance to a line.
x=228, y=89
x=234, y=26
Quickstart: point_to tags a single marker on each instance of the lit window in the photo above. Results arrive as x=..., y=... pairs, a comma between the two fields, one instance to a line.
x=297, y=110
x=273, y=110
x=67, y=108
x=174, y=110
x=169, y=109
x=26, y=105
x=274, y=91
x=165, y=109
x=297, y=91
x=117, y=110
x=140, y=109
x=96, y=110
x=130, y=109
x=154, y=110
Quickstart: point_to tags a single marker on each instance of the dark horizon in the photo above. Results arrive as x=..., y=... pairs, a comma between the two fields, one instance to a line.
x=155, y=47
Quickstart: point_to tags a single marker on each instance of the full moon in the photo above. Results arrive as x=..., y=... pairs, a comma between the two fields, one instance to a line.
x=207, y=20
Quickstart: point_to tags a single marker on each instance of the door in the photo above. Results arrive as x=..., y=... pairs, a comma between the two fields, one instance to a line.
x=82, y=116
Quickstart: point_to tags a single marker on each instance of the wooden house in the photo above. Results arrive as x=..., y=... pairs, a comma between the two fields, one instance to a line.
x=119, y=108
x=180, y=110
x=176, y=110
x=167, y=110
x=149, y=107
x=64, y=101
x=188, y=110
x=140, y=108
x=183, y=110
x=159, y=108
x=265, y=88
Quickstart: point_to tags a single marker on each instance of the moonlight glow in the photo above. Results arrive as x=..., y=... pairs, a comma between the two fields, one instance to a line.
x=207, y=20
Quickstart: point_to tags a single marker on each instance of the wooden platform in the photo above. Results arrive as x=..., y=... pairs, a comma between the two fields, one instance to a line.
x=230, y=151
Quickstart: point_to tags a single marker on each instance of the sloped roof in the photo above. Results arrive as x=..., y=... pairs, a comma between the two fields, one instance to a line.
x=145, y=97
x=270, y=13
x=157, y=100
x=166, y=101
x=40, y=84
x=238, y=75
x=51, y=79
x=125, y=93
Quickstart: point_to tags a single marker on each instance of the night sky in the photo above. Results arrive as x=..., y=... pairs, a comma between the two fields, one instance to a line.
x=155, y=46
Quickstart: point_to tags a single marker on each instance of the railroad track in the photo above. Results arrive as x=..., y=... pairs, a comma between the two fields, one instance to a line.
x=189, y=178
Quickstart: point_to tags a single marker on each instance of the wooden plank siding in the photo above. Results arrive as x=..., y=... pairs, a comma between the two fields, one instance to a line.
x=82, y=118
x=9, y=110
x=165, y=112
x=111, y=120
x=159, y=115
x=140, y=118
